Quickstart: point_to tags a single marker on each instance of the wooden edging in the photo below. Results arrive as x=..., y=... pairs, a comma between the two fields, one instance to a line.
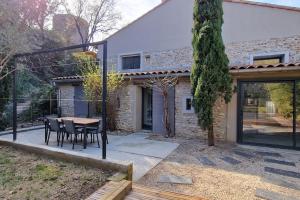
x=126, y=168
x=112, y=191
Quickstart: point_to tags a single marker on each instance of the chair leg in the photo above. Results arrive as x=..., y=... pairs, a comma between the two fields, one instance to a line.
x=98, y=141
x=75, y=136
x=58, y=137
x=48, y=137
x=62, y=139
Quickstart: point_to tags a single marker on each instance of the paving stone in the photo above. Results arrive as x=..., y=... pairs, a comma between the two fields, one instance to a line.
x=268, y=195
x=206, y=161
x=282, y=172
x=264, y=153
x=281, y=162
x=280, y=182
x=230, y=160
x=175, y=179
x=244, y=154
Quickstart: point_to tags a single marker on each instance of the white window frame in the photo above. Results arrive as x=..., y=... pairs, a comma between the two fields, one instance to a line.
x=286, y=56
x=184, y=110
x=120, y=63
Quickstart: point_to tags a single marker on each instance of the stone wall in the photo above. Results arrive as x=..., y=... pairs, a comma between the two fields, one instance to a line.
x=238, y=53
x=125, y=112
x=67, y=100
x=186, y=124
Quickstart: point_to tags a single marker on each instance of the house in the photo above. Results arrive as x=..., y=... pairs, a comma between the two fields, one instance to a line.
x=263, y=44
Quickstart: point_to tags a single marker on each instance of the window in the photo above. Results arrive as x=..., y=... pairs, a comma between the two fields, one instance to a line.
x=131, y=61
x=270, y=59
x=267, y=61
x=188, y=105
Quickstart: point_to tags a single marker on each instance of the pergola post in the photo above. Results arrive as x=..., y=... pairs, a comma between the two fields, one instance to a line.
x=104, y=98
x=14, y=94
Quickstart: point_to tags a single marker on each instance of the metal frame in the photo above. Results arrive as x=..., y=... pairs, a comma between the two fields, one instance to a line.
x=104, y=85
x=240, y=111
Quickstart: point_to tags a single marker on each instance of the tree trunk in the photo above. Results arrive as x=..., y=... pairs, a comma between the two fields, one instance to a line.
x=166, y=114
x=211, y=137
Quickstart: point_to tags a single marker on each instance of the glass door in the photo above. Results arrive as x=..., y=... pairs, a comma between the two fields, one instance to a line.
x=147, y=106
x=267, y=113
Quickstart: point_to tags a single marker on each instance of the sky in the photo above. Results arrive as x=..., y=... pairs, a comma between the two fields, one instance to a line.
x=132, y=9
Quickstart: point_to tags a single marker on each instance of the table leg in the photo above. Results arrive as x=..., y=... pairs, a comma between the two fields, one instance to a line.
x=84, y=139
x=46, y=132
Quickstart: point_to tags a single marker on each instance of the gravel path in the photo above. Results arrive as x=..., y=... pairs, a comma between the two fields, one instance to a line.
x=226, y=180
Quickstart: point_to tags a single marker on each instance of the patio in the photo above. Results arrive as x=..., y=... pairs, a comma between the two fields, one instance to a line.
x=145, y=154
x=227, y=171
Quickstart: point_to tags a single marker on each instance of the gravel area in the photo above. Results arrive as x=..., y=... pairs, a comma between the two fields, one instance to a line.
x=223, y=181
x=29, y=176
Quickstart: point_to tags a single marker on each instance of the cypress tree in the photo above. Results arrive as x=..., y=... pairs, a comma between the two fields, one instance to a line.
x=210, y=76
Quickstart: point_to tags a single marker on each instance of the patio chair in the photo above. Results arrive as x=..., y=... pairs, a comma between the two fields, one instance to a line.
x=54, y=126
x=95, y=131
x=70, y=129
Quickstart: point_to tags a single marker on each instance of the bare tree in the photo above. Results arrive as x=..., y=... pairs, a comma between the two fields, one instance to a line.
x=163, y=86
x=100, y=15
x=20, y=21
x=13, y=34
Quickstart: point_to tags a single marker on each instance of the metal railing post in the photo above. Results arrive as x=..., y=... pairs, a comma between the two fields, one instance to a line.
x=14, y=93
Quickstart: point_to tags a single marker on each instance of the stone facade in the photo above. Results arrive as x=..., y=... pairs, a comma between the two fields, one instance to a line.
x=66, y=100
x=129, y=112
x=239, y=53
x=186, y=124
x=124, y=112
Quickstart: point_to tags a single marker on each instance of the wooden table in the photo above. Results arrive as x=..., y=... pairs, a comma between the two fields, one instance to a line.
x=84, y=122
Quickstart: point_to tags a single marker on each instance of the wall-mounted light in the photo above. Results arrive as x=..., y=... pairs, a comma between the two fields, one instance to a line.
x=147, y=58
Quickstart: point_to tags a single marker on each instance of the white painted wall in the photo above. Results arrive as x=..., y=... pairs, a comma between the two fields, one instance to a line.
x=169, y=27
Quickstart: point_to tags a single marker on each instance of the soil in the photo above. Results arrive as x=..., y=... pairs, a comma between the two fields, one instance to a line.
x=223, y=181
x=30, y=176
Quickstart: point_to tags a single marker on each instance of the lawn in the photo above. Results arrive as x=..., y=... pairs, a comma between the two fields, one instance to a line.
x=29, y=176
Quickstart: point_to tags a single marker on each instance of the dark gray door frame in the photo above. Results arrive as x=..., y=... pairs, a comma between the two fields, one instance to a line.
x=240, y=111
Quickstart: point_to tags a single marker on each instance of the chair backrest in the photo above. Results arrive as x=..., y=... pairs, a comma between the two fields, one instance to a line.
x=99, y=126
x=53, y=124
x=69, y=126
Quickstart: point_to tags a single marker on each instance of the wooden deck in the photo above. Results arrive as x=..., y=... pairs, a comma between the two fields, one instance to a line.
x=125, y=190
x=144, y=193
x=112, y=191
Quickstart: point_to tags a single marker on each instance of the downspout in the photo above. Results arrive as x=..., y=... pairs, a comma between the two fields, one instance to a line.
x=226, y=121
